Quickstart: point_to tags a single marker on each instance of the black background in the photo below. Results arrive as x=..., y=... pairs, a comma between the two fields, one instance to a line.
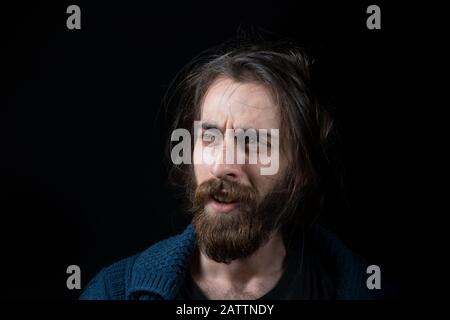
x=82, y=173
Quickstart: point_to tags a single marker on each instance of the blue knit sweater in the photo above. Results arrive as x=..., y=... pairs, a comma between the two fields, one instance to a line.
x=158, y=272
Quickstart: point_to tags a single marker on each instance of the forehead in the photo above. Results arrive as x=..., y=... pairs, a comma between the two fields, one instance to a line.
x=239, y=105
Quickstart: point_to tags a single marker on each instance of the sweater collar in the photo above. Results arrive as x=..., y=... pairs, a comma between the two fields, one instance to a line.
x=160, y=269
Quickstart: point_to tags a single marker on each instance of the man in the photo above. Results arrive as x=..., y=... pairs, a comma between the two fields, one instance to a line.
x=252, y=234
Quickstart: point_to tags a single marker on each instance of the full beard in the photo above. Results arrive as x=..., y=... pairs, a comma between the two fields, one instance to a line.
x=224, y=237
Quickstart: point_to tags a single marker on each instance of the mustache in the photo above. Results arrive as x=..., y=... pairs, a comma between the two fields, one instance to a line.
x=224, y=190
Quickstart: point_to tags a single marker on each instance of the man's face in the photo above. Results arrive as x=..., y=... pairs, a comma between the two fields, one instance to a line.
x=233, y=105
x=232, y=199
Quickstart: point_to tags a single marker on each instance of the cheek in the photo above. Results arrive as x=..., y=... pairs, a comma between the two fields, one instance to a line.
x=262, y=183
x=265, y=183
x=201, y=174
x=201, y=170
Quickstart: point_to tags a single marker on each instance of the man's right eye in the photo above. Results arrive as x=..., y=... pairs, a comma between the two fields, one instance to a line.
x=208, y=137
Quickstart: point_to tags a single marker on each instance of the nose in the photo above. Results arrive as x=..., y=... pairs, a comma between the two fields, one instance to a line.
x=231, y=172
x=223, y=168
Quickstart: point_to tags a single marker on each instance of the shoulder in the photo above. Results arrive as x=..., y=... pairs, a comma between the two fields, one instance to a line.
x=110, y=282
x=147, y=271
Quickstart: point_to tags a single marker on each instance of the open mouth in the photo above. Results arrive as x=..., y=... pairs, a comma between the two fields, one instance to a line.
x=222, y=203
x=222, y=198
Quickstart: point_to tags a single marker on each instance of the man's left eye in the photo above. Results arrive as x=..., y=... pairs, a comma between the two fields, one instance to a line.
x=252, y=140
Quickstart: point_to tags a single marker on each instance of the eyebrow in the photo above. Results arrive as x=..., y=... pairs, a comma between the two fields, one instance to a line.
x=209, y=125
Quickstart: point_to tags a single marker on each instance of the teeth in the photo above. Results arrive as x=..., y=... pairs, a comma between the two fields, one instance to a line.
x=221, y=198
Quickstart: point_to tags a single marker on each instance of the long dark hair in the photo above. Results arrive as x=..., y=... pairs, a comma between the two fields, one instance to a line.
x=308, y=134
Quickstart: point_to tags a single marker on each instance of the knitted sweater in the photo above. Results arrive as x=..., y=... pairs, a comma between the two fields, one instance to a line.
x=158, y=272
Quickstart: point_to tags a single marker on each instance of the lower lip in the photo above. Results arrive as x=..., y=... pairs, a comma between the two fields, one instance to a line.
x=223, y=207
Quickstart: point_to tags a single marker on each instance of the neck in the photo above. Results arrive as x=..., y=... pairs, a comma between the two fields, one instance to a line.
x=267, y=261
